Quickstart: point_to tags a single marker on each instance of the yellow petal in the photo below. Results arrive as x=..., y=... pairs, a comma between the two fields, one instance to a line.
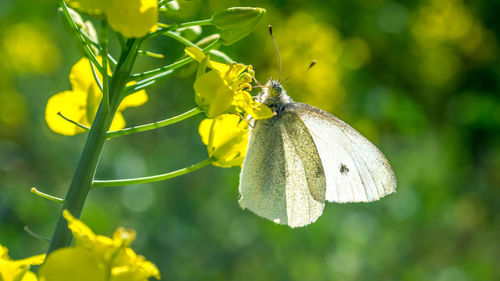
x=29, y=276
x=226, y=137
x=199, y=56
x=204, y=131
x=4, y=252
x=102, y=248
x=34, y=260
x=221, y=68
x=139, y=273
x=195, y=53
x=17, y=269
x=236, y=70
x=134, y=100
x=232, y=162
x=81, y=76
x=70, y=104
x=81, y=104
x=212, y=94
x=128, y=266
x=123, y=237
x=244, y=101
x=233, y=151
x=92, y=7
x=133, y=18
x=82, y=233
x=72, y=264
x=118, y=122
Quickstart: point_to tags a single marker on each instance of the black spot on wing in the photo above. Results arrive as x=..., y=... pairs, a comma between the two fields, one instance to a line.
x=343, y=169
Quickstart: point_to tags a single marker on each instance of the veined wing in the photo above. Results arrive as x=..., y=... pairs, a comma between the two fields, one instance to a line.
x=282, y=177
x=355, y=169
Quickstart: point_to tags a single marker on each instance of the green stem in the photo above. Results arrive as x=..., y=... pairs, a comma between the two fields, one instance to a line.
x=110, y=183
x=104, y=55
x=73, y=122
x=143, y=84
x=151, y=54
x=178, y=37
x=193, y=23
x=46, y=196
x=91, y=41
x=96, y=77
x=155, y=125
x=36, y=235
x=175, y=65
x=182, y=25
x=86, y=48
x=83, y=177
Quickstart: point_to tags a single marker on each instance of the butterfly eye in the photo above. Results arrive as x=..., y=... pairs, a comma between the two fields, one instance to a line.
x=276, y=88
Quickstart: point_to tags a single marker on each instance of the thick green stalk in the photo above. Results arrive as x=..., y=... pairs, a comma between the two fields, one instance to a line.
x=84, y=175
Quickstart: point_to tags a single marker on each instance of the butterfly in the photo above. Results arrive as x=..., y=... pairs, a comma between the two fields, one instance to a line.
x=303, y=157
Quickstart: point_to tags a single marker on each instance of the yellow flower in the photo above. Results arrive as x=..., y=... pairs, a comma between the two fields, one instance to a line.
x=81, y=103
x=28, y=47
x=226, y=138
x=11, y=270
x=97, y=257
x=132, y=18
x=225, y=88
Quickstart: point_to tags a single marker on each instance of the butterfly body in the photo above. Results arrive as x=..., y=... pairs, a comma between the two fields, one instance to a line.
x=303, y=157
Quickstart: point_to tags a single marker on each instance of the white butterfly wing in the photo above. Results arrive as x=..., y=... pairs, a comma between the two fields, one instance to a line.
x=355, y=169
x=282, y=178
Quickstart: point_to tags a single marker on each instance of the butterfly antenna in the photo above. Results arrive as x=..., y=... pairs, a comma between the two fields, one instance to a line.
x=276, y=46
x=311, y=65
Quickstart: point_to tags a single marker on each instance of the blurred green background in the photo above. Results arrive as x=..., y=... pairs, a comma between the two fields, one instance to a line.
x=418, y=78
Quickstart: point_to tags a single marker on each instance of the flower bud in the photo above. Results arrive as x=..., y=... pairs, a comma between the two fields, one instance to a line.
x=236, y=23
x=190, y=33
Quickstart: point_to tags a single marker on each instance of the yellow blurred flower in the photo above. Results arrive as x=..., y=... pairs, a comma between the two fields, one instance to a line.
x=132, y=18
x=226, y=138
x=96, y=257
x=13, y=112
x=322, y=86
x=17, y=270
x=225, y=88
x=444, y=30
x=28, y=48
x=81, y=103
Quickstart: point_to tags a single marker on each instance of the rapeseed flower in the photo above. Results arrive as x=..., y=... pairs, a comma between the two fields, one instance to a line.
x=225, y=89
x=132, y=18
x=226, y=138
x=82, y=102
x=17, y=270
x=96, y=257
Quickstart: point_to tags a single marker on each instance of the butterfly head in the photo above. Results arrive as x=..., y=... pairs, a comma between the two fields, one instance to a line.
x=274, y=96
x=274, y=87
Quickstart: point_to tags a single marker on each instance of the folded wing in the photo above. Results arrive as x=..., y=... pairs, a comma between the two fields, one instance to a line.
x=282, y=178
